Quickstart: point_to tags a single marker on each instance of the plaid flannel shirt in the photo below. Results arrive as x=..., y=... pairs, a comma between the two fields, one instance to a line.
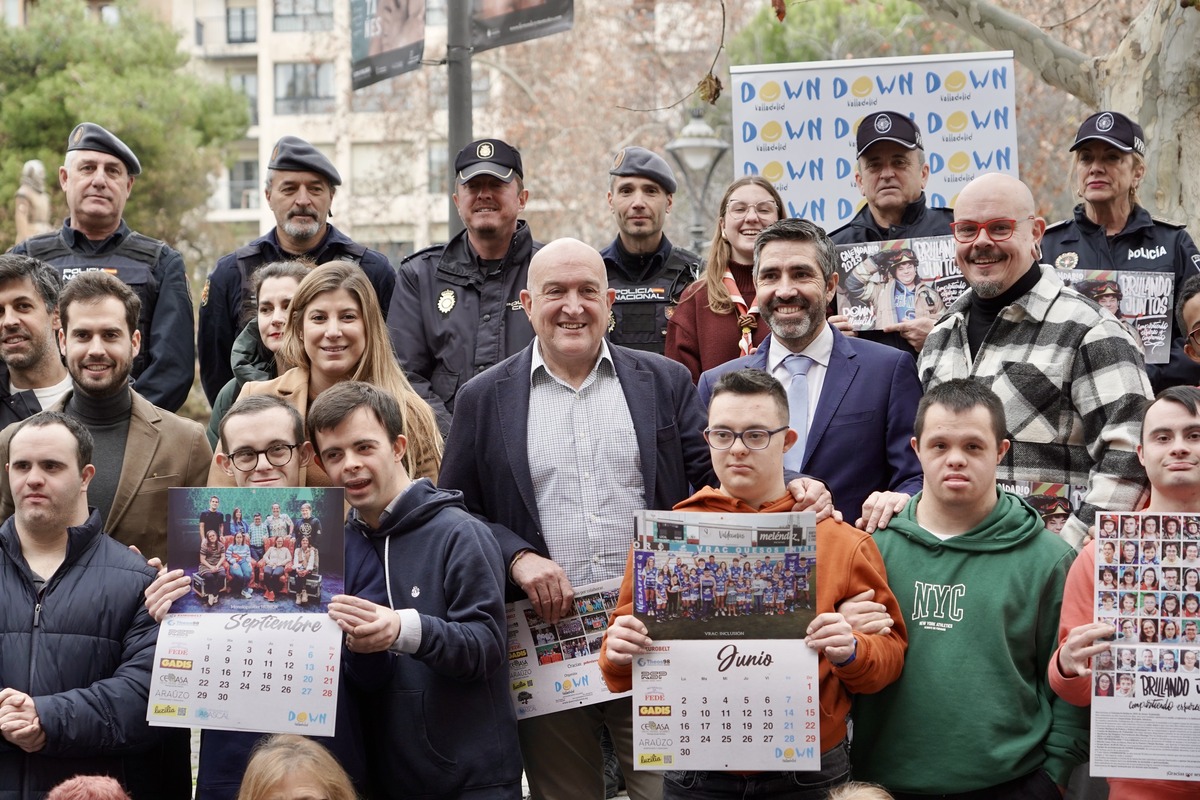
x=1072, y=383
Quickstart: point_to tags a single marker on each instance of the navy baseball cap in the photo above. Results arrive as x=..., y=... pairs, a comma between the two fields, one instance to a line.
x=488, y=157
x=1112, y=127
x=888, y=126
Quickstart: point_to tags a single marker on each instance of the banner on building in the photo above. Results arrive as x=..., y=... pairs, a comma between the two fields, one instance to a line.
x=795, y=124
x=387, y=38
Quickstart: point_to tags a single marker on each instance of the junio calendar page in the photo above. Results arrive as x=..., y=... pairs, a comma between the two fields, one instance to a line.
x=728, y=683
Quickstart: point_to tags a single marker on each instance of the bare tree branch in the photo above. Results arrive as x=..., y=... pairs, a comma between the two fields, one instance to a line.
x=1056, y=63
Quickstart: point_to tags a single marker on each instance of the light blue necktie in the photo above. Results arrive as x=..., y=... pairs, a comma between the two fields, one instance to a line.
x=797, y=365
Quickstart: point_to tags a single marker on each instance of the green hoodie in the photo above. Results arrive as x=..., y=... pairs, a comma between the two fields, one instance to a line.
x=973, y=707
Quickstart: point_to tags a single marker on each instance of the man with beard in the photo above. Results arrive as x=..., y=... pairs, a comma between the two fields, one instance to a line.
x=1070, y=377
x=300, y=186
x=141, y=450
x=457, y=308
x=32, y=375
x=847, y=395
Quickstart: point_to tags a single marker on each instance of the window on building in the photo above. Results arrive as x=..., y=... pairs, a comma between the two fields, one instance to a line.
x=247, y=84
x=390, y=96
x=304, y=88
x=439, y=89
x=241, y=24
x=244, y=190
x=439, y=168
x=382, y=170
x=303, y=15
x=481, y=90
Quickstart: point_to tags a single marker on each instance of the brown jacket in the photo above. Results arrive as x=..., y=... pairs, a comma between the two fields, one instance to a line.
x=162, y=451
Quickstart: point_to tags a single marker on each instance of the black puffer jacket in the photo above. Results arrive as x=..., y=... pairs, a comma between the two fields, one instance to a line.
x=84, y=651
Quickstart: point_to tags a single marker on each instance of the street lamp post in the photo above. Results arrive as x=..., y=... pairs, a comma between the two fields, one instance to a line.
x=697, y=150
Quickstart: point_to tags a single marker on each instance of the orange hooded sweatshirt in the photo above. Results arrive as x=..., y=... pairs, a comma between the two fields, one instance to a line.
x=847, y=563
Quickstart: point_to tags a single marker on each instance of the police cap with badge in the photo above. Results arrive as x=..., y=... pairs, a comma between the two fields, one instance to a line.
x=1114, y=128
x=888, y=126
x=488, y=157
x=90, y=136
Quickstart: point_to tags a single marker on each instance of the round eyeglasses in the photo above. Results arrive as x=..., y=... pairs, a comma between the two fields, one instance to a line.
x=246, y=459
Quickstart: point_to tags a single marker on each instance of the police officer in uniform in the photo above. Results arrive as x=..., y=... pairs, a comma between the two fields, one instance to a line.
x=1111, y=230
x=891, y=174
x=457, y=306
x=96, y=177
x=646, y=270
x=300, y=186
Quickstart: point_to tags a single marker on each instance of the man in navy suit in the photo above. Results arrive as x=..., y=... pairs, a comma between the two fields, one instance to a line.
x=859, y=398
x=557, y=447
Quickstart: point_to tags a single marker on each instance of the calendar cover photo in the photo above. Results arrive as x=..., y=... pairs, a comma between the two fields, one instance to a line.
x=277, y=550
x=885, y=283
x=1143, y=302
x=701, y=576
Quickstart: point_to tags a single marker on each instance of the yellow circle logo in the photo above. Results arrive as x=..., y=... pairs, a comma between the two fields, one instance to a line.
x=956, y=122
x=958, y=162
x=302, y=717
x=861, y=86
x=773, y=171
x=772, y=131
x=769, y=92
x=955, y=81
x=789, y=753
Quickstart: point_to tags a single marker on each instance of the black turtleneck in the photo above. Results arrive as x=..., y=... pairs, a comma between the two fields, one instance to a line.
x=984, y=310
x=107, y=419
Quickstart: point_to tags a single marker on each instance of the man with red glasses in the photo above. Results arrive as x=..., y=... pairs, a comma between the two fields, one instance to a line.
x=1070, y=377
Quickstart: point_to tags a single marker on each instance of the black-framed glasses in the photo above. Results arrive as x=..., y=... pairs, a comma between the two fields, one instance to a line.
x=1194, y=336
x=754, y=438
x=246, y=459
x=998, y=230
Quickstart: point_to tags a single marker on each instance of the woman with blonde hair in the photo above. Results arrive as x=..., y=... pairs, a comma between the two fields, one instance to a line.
x=335, y=332
x=290, y=767
x=716, y=319
x=1110, y=229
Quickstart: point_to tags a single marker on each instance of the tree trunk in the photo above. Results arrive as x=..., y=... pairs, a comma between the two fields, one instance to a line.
x=1153, y=75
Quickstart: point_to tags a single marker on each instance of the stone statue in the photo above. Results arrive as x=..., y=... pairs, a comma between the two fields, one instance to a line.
x=33, y=204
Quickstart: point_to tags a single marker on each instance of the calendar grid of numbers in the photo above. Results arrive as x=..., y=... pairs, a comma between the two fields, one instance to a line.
x=251, y=647
x=728, y=683
x=1146, y=687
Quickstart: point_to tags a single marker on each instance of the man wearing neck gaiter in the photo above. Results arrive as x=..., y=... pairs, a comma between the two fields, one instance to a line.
x=1069, y=376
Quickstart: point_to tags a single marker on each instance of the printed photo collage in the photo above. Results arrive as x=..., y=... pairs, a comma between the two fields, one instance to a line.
x=576, y=636
x=1148, y=587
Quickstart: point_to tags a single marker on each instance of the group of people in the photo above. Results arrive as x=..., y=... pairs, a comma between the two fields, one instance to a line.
x=277, y=554
x=575, y=387
x=721, y=587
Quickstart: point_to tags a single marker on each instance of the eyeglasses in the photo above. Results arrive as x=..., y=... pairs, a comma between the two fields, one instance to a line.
x=1192, y=336
x=998, y=230
x=277, y=455
x=754, y=439
x=764, y=210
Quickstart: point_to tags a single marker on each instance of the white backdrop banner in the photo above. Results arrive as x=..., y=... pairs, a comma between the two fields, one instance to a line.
x=795, y=124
